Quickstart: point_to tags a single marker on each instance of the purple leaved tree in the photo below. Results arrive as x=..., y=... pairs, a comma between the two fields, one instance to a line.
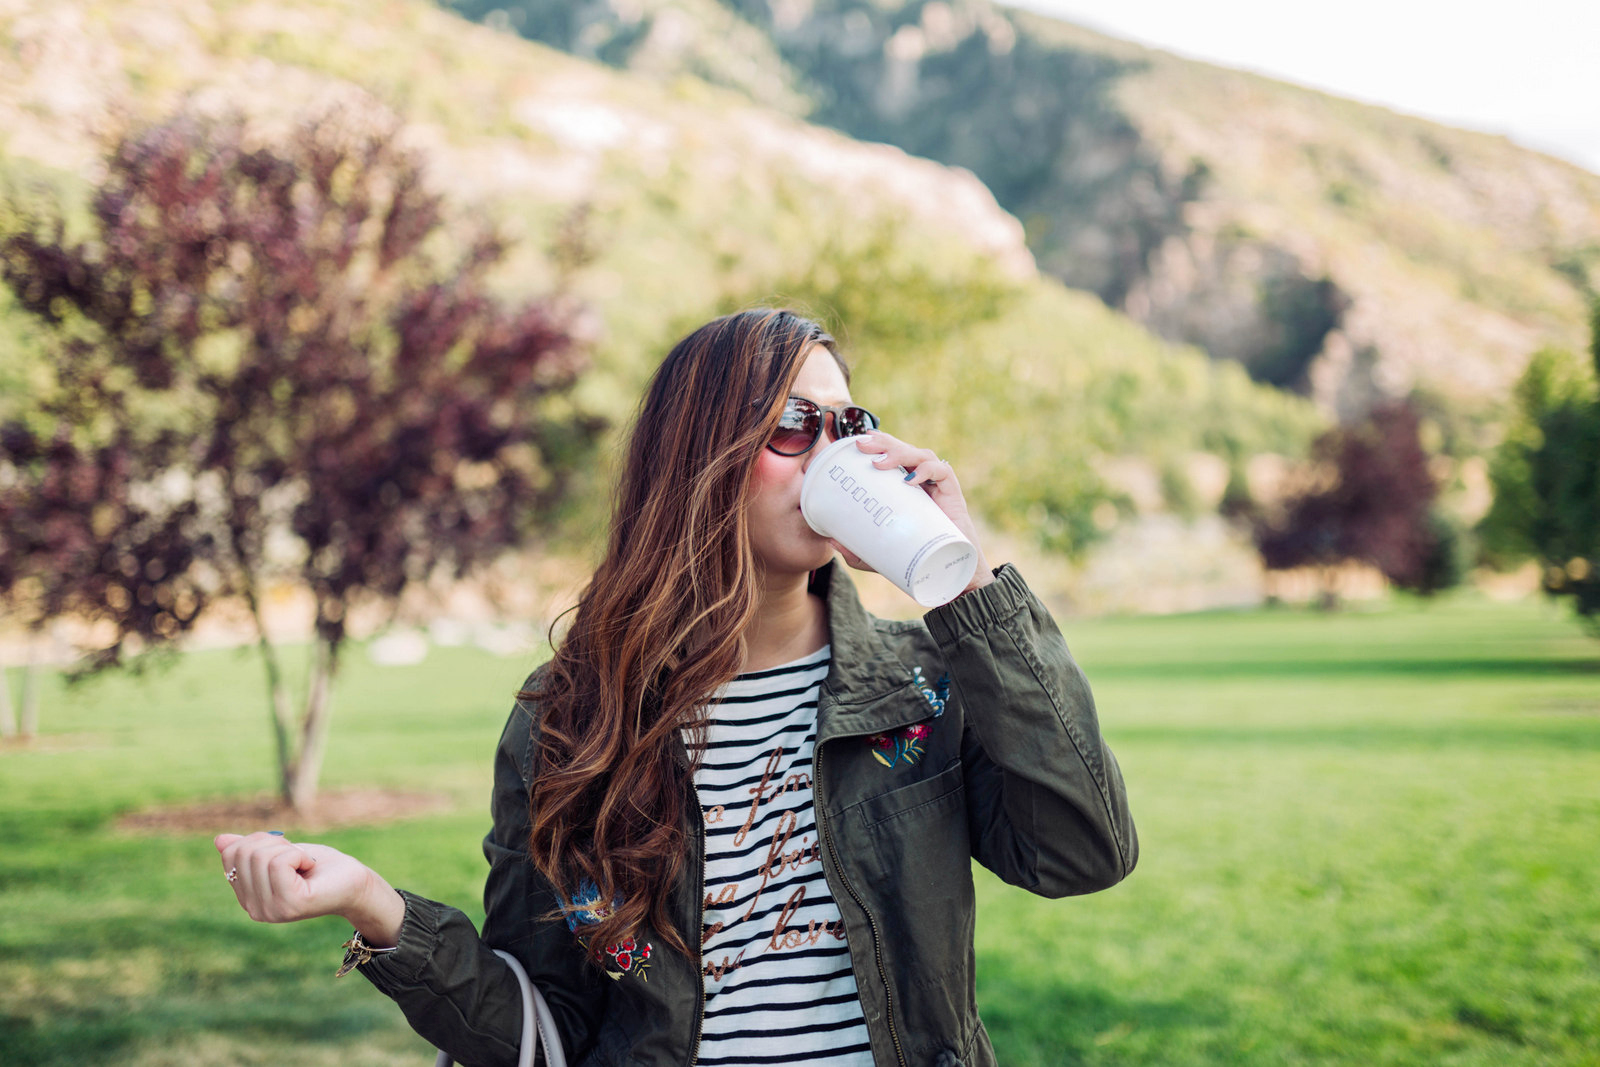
x=274, y=360
x=1376, y=506
x=79, y=543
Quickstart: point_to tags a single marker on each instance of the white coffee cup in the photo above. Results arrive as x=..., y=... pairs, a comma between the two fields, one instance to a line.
x=894, y=527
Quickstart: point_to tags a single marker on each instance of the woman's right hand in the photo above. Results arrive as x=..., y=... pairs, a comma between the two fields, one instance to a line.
x=279, y=881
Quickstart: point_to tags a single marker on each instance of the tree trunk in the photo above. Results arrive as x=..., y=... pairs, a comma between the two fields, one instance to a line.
x=1329, y=599
x=282, y=719
x=314, y=727
x=277, y=698
x=29, y=725
x=8, y=712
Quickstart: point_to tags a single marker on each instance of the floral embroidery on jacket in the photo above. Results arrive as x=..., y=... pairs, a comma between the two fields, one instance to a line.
x=937, y=694
x=629, y=956
x=889, y=749
x=585, y=908
x=906, y=745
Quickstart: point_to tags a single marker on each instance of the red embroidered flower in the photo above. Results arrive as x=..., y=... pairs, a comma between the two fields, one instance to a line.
x=919, y=730
x=623, y=953
x=883, y=741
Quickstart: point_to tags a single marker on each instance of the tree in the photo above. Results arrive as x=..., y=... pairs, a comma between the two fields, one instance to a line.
x=274, y=361
x=1546, y=477
x=1372, y=504
x=78, y=544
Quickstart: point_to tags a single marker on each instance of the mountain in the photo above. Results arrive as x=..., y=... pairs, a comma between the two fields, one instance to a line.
x=676, y=200
x=1339, y=249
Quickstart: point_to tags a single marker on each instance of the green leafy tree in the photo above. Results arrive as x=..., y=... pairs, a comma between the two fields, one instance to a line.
x=1546, y=477
x=899, y=309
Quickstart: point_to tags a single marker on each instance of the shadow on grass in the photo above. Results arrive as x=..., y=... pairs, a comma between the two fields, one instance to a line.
x=1035, y=1023
x=1568, y=736
x=1234, y=669
x=181, y=977
x=93, y=989
x=68, y=849
x=99, y=1035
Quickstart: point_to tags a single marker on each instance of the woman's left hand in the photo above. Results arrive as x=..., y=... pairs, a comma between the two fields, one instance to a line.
x=938, y=478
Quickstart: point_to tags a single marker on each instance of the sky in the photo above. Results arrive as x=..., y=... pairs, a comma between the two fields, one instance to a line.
x=1529, y=70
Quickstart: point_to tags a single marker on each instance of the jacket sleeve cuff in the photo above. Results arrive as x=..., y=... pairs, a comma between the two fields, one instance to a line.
x=419, y=936
x=979, y=609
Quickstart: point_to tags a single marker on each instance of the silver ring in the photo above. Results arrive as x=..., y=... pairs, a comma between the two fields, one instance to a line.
x=233, y=873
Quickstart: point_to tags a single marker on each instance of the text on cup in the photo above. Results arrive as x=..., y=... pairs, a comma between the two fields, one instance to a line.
x=881, y=513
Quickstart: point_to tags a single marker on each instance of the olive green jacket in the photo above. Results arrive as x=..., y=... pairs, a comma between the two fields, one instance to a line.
x=968, y=735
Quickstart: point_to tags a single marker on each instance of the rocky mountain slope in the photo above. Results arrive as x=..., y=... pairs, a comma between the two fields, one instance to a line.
x=676, y=200
x=1335, y=248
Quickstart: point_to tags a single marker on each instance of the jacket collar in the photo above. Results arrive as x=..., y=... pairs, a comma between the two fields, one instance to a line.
x=865, y=671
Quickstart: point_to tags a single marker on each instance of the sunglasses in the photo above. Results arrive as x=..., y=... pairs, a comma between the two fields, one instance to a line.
x=802, y=421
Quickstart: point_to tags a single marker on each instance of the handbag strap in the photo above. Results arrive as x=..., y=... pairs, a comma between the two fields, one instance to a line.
x=538, y=1024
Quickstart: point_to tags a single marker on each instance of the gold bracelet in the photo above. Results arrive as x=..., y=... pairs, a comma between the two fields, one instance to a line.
x=357, y=952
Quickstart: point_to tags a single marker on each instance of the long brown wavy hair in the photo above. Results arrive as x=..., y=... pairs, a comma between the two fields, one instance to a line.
x=660, y=627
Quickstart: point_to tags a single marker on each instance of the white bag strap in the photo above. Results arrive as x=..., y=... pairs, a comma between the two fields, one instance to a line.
x=538, y=1024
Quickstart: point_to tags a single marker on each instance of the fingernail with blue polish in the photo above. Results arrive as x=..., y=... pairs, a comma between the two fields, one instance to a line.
x=275, y=833
x=910, y=475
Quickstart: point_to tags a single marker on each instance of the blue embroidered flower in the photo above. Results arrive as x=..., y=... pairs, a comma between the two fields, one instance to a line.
x=937, y=694
x=586, y=909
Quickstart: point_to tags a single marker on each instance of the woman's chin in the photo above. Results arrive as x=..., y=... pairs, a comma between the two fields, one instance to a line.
x=800, y=563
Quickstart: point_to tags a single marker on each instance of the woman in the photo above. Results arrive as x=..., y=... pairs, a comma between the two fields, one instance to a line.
x=734, y=816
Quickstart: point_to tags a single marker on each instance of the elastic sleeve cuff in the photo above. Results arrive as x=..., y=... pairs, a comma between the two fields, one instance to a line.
x=419, y=936
x=978, y=609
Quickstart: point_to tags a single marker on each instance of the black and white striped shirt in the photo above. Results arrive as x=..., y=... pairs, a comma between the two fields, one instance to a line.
x=778, y=983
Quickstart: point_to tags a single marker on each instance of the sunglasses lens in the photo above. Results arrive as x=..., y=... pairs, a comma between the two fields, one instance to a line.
x=853, y=421
x=797, y=429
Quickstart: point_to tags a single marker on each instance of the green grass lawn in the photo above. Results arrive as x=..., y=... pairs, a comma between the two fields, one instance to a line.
x=1369, y=838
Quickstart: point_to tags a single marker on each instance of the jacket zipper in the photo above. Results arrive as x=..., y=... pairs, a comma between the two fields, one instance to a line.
x=700, y=931
x=877, y=944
